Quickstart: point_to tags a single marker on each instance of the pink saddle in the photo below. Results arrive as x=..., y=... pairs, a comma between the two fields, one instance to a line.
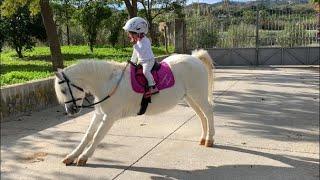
x=162, y=75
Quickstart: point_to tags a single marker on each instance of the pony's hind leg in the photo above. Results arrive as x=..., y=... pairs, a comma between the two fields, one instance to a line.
x=203, y=119
x=207, y=109
x=96, y=120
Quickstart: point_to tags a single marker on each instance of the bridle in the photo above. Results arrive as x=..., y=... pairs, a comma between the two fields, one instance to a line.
x=74, y=100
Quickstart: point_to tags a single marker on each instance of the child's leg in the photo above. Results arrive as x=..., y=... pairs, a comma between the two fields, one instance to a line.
x=147, y=67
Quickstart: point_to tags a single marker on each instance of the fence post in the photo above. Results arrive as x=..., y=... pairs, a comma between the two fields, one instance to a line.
x=257, y=36
x=179, y=36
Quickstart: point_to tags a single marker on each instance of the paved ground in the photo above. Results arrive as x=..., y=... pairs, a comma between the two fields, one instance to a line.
x=267, y=127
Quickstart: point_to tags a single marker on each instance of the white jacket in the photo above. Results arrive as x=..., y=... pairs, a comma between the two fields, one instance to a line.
x=142, y=51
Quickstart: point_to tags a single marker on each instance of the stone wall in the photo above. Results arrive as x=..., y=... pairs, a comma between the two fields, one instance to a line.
x=23, y=98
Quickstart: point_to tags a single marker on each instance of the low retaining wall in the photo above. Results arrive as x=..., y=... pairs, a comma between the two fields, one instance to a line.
x=19, y=99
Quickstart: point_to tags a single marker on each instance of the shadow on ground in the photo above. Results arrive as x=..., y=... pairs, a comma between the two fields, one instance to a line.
x=296, y=165
x=273, y=113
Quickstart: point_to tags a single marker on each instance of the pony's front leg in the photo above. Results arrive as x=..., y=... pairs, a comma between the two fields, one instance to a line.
x=96, y=120
x=104, y=127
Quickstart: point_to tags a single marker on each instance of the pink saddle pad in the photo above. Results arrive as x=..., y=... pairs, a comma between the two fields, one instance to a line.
x=163, y=78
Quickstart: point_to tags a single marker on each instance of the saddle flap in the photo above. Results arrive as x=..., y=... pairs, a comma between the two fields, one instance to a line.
x=162, y=75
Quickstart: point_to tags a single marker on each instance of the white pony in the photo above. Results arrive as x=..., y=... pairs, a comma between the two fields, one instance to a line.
x=193, y=82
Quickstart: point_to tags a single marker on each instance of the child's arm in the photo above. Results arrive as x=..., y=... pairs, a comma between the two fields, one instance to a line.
x=134, y=57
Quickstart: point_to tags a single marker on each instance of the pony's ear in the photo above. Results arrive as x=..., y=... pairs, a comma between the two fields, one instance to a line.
x=58, y=75
x=59, y=70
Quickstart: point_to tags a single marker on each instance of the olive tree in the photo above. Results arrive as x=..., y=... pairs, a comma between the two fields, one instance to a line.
x=91, y=17
x=20, y=29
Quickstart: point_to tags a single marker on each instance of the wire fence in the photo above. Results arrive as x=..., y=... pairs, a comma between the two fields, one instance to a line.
x=272, y=23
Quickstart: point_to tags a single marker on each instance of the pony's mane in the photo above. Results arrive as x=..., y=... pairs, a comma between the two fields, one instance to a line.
x=96, y=66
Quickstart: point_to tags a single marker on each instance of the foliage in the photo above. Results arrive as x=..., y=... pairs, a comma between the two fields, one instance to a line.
x=91, y=17
x=115, y=24
x=203, y=33
x=20, y=28
x=2, y=32
x=154, y=8
x=9, y=7
x=315, y=1
x=249, y=16
x=292, y=35
x=238, y=36
x=36, y=63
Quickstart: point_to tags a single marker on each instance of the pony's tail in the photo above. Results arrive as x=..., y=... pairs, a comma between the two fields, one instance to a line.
x=204, y=56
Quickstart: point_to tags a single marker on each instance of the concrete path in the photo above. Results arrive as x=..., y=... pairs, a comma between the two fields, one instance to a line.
x=267, y=127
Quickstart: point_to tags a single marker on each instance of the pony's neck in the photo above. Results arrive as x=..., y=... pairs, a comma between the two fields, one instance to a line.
x=96, y=77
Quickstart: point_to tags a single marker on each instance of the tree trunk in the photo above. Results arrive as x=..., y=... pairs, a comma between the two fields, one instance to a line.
x=51, y=30
x=131, y=7
x=152, y=31
x=91, y=46
x=67, y=23
x=166, y=39
x=92, y=41
x=68, y=34
x=19, y=52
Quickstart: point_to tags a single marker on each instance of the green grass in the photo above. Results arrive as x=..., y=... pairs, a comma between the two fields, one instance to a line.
x=36, y=64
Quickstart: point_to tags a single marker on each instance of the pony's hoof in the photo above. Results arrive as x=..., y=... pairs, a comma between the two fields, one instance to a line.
x=81, y=162
x=209, y=143
x=202, y=142
x=67, y=161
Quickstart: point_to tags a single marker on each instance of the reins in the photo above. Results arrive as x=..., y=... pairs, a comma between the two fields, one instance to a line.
x=73, y=100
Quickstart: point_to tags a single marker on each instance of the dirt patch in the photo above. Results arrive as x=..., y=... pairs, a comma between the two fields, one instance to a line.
x=32, y=158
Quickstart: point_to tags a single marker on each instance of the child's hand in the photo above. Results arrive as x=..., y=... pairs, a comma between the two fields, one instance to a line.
x=133, y=37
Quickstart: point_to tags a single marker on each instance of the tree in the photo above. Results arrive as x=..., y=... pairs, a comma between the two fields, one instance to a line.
x=115, y=24
x=91, y=17
x=132, y=7
x=51, y=30
x=20, y=28
x=8, y=8
x=154, y=8
x=3, y=33
x=63, y=11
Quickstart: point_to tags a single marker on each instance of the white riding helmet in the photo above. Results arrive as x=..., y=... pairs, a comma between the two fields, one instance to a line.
x=136, y=24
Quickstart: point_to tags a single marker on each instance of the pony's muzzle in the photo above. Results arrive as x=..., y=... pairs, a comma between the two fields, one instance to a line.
x=71, y=109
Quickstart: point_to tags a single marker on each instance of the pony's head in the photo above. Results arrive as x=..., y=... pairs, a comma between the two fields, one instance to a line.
x=68, y=93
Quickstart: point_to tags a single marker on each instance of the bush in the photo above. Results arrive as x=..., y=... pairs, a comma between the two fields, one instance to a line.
x=242, y=35
x=202, y=33
x=292, y=35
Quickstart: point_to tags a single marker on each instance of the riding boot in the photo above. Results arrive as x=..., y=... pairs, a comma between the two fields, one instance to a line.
x=154, y=90
x=151, y=90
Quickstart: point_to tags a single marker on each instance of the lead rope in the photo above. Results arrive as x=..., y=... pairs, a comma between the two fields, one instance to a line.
x=117, y=85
